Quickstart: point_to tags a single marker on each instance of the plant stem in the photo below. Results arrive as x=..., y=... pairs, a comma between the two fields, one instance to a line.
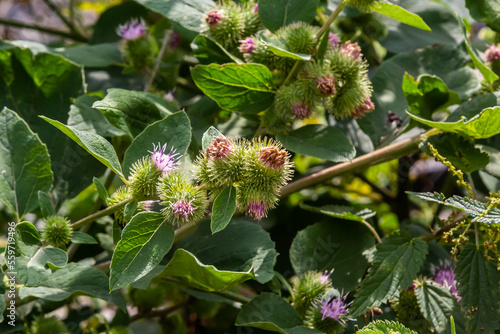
x=152, y=76
x=56, y=32
x=383, y=154
x=372, y=229
x=102, y=213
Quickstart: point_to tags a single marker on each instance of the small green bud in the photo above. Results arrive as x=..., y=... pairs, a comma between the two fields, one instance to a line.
x=363, y=5
x=307, y=288
x=48, y=325
x=57, y=231
x=121, y=194
x=138, y=46
x=143, y=178
x=300, y=37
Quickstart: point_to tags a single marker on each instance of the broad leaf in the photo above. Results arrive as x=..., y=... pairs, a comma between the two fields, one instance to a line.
x=270, y=312
x=24, y=165
x=74, y=278
x=209, y=51
x=209, y=136
x=174, y=130
x=280, y=47
x=337, y=245
x=241, y=246
x=478, y=286
x=97, y=55
x=223, y=209
x=485, y=11
x=320, y=141
x=431, y=197
x=45, y=203
x=130, y=111
x=146, y=239
x=342, y=212
x=398, y=13
x=246, y=88
x=279, y=13
x=83, y=238
x=437, y=304
x=201, y=276
x=385, y=327
x=459, y=151
x=54, y=258
x=397, y=262
x=96, y=145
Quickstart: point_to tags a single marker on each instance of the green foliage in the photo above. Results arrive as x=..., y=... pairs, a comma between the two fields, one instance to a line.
x=277, y=14
x=385, y=327
x=223, y=209
x=398, y=13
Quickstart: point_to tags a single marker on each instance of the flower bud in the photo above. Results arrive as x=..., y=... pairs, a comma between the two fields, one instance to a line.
x=301, y=110
x=334, y=40
x=257, y=209
x=144, y=175
x=492, y=53
x=57, y=231
x=138, y=47
x=300, y=37
x=213, y=17
x=309, y=287
x=328, y=313
x=132, y=30
x=247, y=45
x=166, y=163
x=362, y=109
x=352, y=50
x=220, y=148
x=326, y=85
x=444, y=274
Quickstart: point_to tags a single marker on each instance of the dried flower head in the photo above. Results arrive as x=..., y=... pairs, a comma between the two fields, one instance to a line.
x=492, y=53
x=165, y=162
x=182, y=209
x=444, y=275
x=257, y=210
x=334, y=39
x=220, y=148
x=247, y=45
x=332, y=307
x=362, y=109
x=132, y=30
x=352, y=50
x=301, y=110
x=326, y=85
x=273, y=157
x=213, y=17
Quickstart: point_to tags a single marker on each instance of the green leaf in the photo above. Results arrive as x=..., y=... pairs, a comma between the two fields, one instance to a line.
x=478, y=286
x=316, y=140
x=342, y=212
x=187, y=13
x=55, y=258
x=241, y=246
x=74, y=278
x=208, y=51
x=427, y=94
x=456, y=149
x=223, y=209
x=186, y=266
x=246, y=88
x=83, y=238
x=485, y=11
x=398, y=13
x=337, y=245
x=129, y=209
x=96, y=145
x=209, y=136
x=437, y=304
x=431, y=197
x=101, y=189
x=98, y=55
x=146, y=239
x=385, y=327
x=174, y=130
x=270, y=312
x=130, y=111
x=45, y=204
x=280, y=47
x=397, y=262
x=279, y=13
x=24, y=165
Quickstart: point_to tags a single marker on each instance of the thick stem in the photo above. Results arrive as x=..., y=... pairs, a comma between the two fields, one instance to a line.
x=43, y=29
x=152, y=76
x=97, y=215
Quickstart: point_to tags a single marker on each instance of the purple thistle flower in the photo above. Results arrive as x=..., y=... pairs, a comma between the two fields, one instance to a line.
x=351, y=49
x=493, y=53
x=257, y=209
x=213, y=17
x=165, y=162
x=301, y=110
x=325, y=277
x=132, y=30
x=170, y=95
x=247, y=45
x=445, y=276
x=362, y=109
x=334, y=39
x=182, y=209
x=256, y=8
x=332, y=307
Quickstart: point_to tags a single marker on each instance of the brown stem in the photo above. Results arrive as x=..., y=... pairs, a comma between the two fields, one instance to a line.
x=56, y=32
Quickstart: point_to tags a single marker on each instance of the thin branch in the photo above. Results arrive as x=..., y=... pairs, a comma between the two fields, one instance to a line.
x=102, y=213
x=440, y=232
x=152, y=75
x=56, y=10
x=372, y=229
x=56, y=32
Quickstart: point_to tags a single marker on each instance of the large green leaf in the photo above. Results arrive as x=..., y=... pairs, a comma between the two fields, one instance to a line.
x=459, y=151
x=130, y=111
x=74, y=278
x=241, y=246
x=146, y=239
x=398, y=13
x=223, y=209
x=201, y=276
x=487, y=11
x=342, y=212
x=478, y=286
x=55, y=258
x=320, y=141
x=187, y=13
x=209, y=51
x=385, y=327
x=337, y=245
x=427, y=94
x=279, y=13
x=397, y=262
x=271, y=312
x=96, y=145
x=83, y=238
x=245, y=88
x=25, y=165
x=437, y=304
x=174, y=130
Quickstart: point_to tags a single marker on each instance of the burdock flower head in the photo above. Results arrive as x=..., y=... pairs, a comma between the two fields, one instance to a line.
x=257, y=209
x=213, y=17
x=247, y=45
x=326, y=85
x=182, y=209
x=333, y=306
x=334, y=39
x=444, y=275
x=301, y=110
x=274, y=157
x=351, y=49
x=363, y=108
x=493, y=53
x=57, y=231
x=132, y=30
x=166, y=163
x=220, y=148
